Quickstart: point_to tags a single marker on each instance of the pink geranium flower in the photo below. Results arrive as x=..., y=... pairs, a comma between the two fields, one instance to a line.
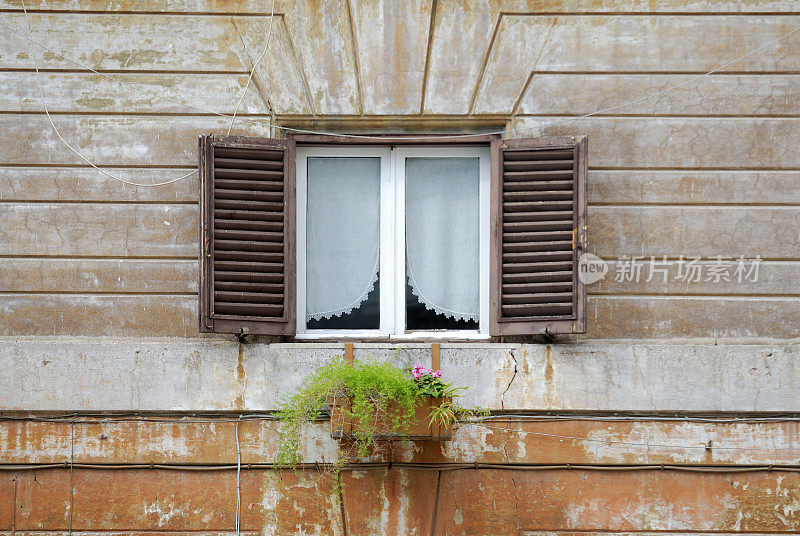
x=419, y=370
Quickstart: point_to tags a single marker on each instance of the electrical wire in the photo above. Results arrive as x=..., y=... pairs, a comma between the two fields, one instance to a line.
x=238, y=478
x=65, y=142
x=71, y=474
x=265, y=417
x=415, y=466
x=112, y=417
x=442, y=136
x=253, y=70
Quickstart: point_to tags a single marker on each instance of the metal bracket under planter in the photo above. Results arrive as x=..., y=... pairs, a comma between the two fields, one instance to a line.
x=420, y=429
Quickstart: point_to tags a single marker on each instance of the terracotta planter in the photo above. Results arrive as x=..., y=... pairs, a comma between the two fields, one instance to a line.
x=420, y=428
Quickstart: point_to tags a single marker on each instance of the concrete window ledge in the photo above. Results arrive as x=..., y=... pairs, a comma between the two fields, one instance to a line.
x=211, y=374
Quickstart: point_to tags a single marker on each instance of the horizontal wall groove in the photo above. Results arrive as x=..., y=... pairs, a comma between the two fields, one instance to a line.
x=73, y=70
x=673, y=258
x=130, y=114
x=697, y=205
x=648, y=14
x=80, y=166
x=77, y=293
x=495, y=415
x=117, y=114
x=693, y=295
x=645, y=532
x=131, y=12
x=726, y=72
x=689, y=297
x=91, y=202
x=101, y=166
x=656, y=115
x=119, y=71
x=133, y=532
x=104, y=257
x=388, y=117
x=692, y=168
x=504, y=13
x=103, y=202
x=432, y=117
x=653, y=116
x=188, y=167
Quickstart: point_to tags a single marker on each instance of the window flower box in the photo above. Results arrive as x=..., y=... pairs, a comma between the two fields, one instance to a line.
x=421, y=427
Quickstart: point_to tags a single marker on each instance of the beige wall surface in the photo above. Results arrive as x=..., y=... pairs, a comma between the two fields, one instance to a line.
x=708, y=169
x=676, y=414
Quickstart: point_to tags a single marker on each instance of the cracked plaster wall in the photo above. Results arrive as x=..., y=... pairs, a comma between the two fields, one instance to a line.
x=98, y=285
x=61, y=374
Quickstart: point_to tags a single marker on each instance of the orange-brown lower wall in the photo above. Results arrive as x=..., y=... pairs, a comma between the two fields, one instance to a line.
x=606, y=495
x=402, y=501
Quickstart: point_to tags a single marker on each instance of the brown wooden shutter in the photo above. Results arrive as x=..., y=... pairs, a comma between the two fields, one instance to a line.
x=247, y=228
x=538, y=234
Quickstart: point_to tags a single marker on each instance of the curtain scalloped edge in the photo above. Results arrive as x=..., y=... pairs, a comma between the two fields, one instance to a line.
x=356, y=304
x=455, y=315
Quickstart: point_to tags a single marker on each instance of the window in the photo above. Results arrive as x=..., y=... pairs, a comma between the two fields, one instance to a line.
x=392, y=238
x=392, y=241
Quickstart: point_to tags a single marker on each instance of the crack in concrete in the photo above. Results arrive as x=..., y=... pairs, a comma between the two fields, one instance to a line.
x=505, y=452
x=516, y=502
x=643, y=378
x=503, y=396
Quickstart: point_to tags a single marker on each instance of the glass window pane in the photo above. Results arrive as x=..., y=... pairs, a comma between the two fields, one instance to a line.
x=442, y=243
x=343, y=243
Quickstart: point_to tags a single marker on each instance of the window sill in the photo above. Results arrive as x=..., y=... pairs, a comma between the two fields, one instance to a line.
x=412, y=336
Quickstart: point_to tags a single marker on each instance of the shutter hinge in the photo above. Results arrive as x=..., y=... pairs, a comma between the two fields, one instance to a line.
x=575, y=243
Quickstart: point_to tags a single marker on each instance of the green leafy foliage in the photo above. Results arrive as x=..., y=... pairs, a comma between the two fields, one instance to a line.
x=378, y=393
x=374, y=387
x=429, y=385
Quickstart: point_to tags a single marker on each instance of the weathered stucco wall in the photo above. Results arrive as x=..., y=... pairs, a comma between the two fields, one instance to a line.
x=63, y=374
x=98, y=282
x=709, y=169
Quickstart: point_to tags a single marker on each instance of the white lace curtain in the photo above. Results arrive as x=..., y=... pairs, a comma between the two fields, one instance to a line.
x=442, y=234
x=343, y=234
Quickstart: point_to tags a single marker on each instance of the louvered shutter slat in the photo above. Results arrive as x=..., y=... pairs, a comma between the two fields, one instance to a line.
x=252, y=215
x=249, y=185
x=538, y=277
x=233, y=163
x=538, y=214
x=247, y=286
x=255, y=277
x=248, y=208
x=533, y=288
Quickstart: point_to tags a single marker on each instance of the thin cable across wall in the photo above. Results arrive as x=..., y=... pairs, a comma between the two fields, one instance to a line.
x=72, y=419
x=699, y=468
x=69, y=146
x=71, y=465
x=536, y=128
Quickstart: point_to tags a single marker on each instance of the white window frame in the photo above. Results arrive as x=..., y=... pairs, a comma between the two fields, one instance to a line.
x=392, y=233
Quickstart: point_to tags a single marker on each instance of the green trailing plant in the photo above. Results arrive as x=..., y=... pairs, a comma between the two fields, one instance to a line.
x=378, y=393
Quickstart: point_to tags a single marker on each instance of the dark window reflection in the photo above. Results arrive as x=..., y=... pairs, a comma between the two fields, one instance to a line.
x=367, y=316
x=420, y=318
